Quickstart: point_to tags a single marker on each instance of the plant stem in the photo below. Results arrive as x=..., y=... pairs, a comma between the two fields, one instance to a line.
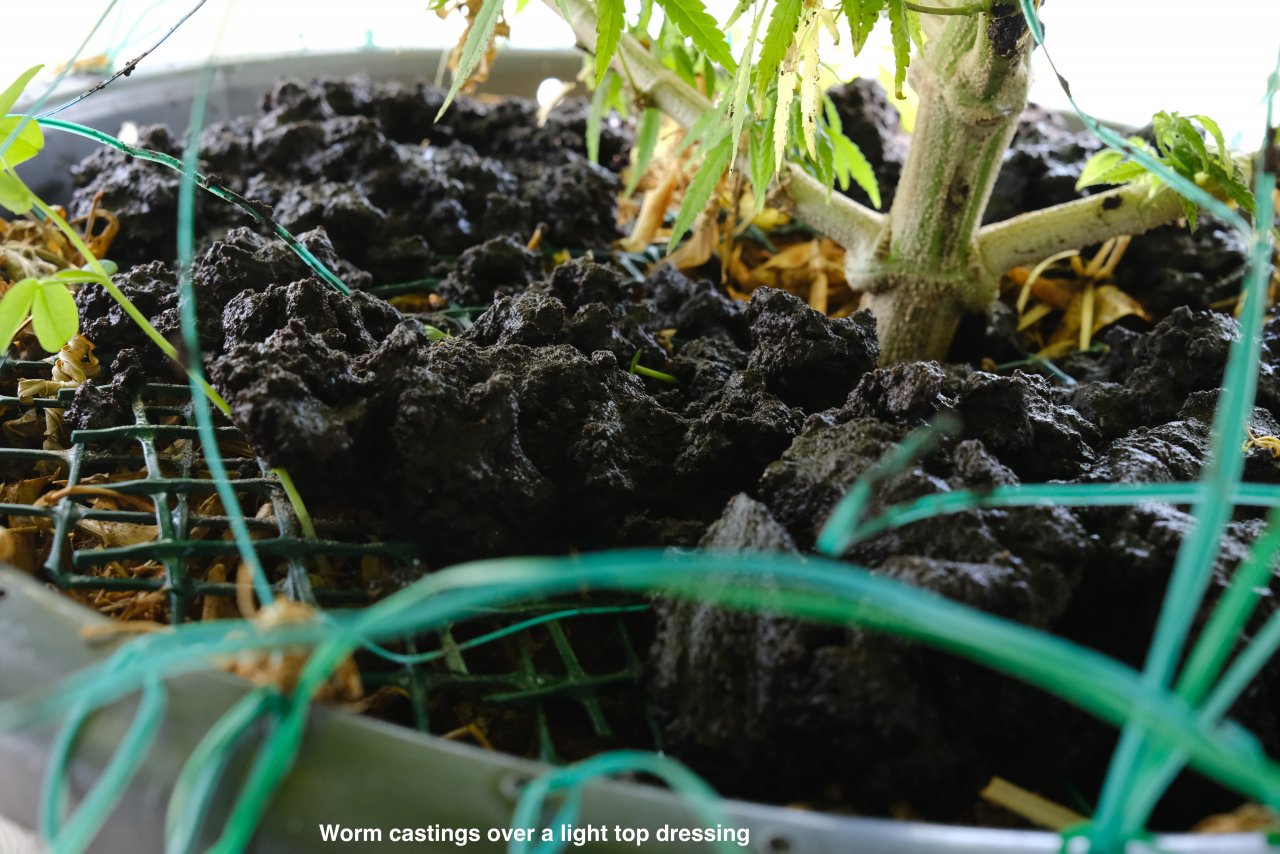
x=971, y=9
x=924, y=270
x=929, y=260
x=1032, y=237
x=125, y=303
x=839, y=217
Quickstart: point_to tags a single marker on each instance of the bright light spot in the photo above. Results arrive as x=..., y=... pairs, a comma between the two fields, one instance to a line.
x=548, y=91
x=128, y=133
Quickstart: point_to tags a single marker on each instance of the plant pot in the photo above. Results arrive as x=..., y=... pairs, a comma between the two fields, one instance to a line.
x=353, y=771
x=362, y=773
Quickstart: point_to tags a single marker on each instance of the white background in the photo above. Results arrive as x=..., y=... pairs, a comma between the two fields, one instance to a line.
x=1125, y=58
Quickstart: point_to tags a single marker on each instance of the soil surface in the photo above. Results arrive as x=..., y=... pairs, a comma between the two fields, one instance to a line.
x=526, y=432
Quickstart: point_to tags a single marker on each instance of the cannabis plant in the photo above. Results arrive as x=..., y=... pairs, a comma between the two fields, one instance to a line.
x=928, y=259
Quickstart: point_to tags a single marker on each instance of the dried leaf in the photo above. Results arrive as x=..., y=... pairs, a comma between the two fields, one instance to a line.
x=1249, y=818
x=809, y=92
x=700, y=246
x=782, y=117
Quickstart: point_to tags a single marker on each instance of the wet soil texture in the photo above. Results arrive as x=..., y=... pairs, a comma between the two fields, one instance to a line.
x=526, y=432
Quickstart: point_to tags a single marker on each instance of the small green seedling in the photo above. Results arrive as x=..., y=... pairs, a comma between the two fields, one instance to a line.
x=47, y=304
x=637, y=368
x=20, y=140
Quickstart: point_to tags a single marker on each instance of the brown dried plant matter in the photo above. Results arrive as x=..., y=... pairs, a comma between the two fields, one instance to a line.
x=751, y=250
x=32, y=248
x=1065, y=300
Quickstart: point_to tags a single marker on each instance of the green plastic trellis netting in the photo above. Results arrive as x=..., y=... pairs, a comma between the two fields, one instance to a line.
x=457, y=666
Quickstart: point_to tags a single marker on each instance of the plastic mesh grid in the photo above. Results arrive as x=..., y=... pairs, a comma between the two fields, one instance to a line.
x=552, y=697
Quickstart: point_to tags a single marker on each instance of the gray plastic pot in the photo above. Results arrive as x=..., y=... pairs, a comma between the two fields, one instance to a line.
x=354, y=771
x=363, y=773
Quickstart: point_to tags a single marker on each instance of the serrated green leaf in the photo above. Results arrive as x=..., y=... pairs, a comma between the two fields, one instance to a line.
x=646, y=13
x=53, y=316
x=26, y=144
x=741, y=90
x=743, y=6
x=916, y=30
x=781, y=32
x=607, y=90
x=646, y=142
x=833, y=115
x=1187, y=132
x=700, y=189
x=823, y=161
x=1123, y=173
x=1224, y=154
x=760, y=163
x=900, y=31
x=608, y=33
x=697, y=24
x=850, y=161
x=708, y=77
x=674, y=53
x=862, y=16
x=10, y=96
x=473, y=48
x=1235, y=190
x=1189, y=210
x=15, y=306
x=14, y=195
x=706, y=130
x=1111, y=167
x=1098, y=165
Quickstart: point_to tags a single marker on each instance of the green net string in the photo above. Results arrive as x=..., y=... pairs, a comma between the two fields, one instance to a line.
x=814, y=588
x=1212, y=507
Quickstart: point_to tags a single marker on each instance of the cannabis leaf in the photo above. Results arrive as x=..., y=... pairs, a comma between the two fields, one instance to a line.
x=782, y=117
x=1112, y=167
x=608, y=33
x=900, y=31
x=782, y=29
x=693, y=20
x=478, y=38
x=1180, y=146
x=646, y=142
x=700, y=189
x=741, y=90
x=608, y=92
x=862, y=16
x=760, y=161
x=849, y=163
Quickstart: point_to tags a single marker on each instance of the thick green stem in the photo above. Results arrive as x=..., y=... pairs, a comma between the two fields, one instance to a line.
x=1032, y=237
x=925, y=268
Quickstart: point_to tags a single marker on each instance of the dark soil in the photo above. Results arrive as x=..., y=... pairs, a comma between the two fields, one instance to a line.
x=526, y=432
